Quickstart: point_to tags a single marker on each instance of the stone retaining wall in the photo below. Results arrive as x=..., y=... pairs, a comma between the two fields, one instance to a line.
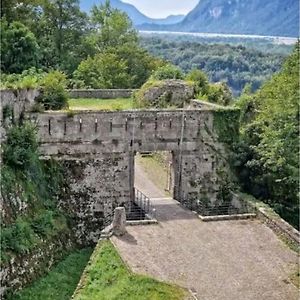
x=24, y=269
x=272, y=219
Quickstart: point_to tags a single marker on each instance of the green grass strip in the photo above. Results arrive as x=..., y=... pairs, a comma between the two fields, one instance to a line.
x=101, y=104
x=60, y=283
x=107, y=278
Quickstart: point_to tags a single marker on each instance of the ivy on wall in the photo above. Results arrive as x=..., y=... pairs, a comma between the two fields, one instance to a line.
x=226, y=123
x=29, y=188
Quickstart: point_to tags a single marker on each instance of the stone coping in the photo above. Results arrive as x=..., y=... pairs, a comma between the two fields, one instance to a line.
x=227, y=217
x=142, y=222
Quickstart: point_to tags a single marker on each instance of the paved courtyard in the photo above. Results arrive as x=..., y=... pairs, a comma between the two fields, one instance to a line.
x=234, y=260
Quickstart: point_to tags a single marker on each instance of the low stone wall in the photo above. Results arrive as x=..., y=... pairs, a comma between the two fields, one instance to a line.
x=101, y=94
x=24, y=269
x=279, y=226
x=273, y=220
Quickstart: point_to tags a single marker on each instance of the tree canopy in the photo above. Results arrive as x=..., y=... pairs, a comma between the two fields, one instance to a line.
x=268, y=162
x=19, y=48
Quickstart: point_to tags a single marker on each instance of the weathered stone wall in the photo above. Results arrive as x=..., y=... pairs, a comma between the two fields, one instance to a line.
x=13, y=103
x=19, y=100
x=98, y=150
x=91, y=133
x=24, y=269
x=101, y=94
x=94, y=187
x=165, y=93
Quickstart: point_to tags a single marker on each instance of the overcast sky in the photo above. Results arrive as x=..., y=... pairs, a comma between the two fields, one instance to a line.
x=163, y=8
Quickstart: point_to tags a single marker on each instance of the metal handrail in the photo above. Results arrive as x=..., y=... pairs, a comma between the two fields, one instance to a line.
x=141, y=206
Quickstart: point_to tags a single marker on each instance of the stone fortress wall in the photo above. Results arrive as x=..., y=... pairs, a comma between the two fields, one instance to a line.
x=99, y=148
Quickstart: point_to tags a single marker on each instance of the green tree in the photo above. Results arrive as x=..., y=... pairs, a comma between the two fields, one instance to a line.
x=140, y=64
x=19, y=48
x=270, y=134
x=115, y=59
x=24, y=11
x=19, y=147
x=113, y=28
x=105, y=70
x=62, y=28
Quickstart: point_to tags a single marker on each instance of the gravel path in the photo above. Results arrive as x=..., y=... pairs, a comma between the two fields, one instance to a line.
x=234, y=260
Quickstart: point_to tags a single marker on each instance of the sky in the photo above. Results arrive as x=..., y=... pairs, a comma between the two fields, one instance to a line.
x=163, y=8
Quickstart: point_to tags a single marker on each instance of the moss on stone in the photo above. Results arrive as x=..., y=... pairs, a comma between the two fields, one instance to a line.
x=226, y=124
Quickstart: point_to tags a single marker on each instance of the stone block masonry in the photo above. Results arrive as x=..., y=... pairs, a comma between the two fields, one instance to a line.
x=98, y=149
x=93, y=188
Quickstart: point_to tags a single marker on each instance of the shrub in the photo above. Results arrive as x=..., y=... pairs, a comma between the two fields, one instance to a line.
x=200, y=81
x=167, y=72
x=18, y=237
x=219, y=93
x=54, y=94
x=20, y=147
x=29, y=79
x=43, y=224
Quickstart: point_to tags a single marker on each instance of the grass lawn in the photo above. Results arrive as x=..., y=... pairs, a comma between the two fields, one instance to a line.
x=156, y=171
x=60, y=283
x=107, y=278
x=101, y=104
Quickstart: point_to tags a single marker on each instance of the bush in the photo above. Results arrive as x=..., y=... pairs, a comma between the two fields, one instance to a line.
x=43, y=224
x=20, y=147
x=54, y=94
x=18, y=237
x=167, y=72
x=28, y=79
x=219, y=93
x=200, y=80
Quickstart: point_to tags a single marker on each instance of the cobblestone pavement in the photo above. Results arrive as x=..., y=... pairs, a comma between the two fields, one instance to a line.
x=234, y=260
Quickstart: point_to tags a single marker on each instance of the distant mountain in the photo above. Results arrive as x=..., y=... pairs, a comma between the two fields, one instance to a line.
x=259, y=17
x=135, y=15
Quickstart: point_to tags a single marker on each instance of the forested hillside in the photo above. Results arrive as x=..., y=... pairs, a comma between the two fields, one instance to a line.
x=236, y=65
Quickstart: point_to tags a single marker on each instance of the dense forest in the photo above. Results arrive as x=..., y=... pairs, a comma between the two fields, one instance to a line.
x=235, y=65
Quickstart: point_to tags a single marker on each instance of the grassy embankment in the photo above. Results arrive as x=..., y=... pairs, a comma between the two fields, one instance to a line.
x=60, y=283
x=101, y=104
x=107, y=278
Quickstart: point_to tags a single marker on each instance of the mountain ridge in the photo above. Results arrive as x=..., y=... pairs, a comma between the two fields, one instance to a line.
x=268, y=17
x=137, y=17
